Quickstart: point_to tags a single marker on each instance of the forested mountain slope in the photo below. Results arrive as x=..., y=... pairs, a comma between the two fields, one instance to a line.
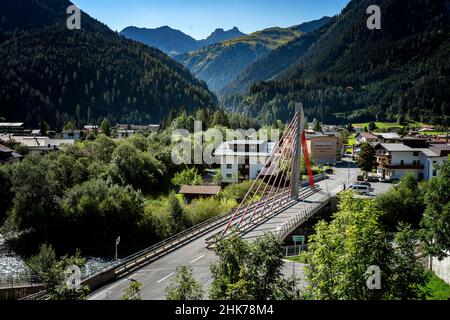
x=50, y=73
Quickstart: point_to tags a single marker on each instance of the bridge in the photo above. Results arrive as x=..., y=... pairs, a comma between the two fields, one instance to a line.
x=278, y=202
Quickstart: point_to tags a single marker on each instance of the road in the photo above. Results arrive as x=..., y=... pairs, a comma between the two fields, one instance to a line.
x=156, y=276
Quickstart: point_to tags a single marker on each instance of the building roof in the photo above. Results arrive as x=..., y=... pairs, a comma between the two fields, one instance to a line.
x=396, y=147
x=37, y=142
x=368, y=136
x=72, y=131
x=11, y=124
x=225, y=150
x=246, y=142
x=389, y=136
x=200, y=190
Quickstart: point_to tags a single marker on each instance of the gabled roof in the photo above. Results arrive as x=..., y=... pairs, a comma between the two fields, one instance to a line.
x=200, y=190
x=368, y=136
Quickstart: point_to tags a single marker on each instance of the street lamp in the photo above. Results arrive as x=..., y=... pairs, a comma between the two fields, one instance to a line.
x=117, y=243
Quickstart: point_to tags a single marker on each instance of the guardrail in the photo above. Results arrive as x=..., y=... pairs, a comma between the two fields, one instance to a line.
x=263, y=215
x=131, y=263
x=289, y=226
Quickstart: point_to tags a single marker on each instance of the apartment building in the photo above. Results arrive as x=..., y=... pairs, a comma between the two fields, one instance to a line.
x=325, y=148
x=395, y=160
x=242, y=159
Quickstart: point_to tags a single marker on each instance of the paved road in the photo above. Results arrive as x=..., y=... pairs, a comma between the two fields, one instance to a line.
x=156, y=276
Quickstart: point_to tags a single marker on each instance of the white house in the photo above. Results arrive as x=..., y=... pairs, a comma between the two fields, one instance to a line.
x=38, y=144
x=396, y=160
x=242, y=158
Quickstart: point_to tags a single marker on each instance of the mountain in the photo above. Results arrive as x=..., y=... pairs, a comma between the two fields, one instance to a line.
x=175, y=42
x=312, y=25
x=54, y=74
x=166, y=39
x=220, y=35
x=346, y=72
x=220, y=64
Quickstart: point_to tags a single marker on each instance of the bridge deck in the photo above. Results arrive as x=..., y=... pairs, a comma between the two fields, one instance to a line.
x=156, y=276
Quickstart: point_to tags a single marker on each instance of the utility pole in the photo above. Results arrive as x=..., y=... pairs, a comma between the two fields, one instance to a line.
x=117, y=243
x=295, y=185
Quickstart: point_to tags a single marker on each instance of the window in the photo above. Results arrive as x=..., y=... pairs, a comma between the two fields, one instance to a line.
x=229, y=166
x=416, y=154
x=402, y=162
x=229, y=176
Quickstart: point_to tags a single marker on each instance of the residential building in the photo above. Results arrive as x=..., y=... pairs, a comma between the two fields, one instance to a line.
x=196, y=192
x=325, y=149
x=72, y=135
x=366, y=137
x=242, y=159
x=139, y=127
x=123, y=133
x=396, y=160
x=8, y=155
x=37, y=144
x=12, y=127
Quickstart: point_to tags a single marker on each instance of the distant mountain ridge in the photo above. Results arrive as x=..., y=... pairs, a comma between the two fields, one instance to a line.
x=173, y=42
x=220, y=64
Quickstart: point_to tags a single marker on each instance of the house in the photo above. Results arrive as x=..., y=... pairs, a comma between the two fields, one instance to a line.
x=388, y=137
x=38, y=144
x=72, y=135
x=366, y=137
x=12, y=127
x=324, y=148
x=8, y=155
x=123, y=133
x=196, y=192
x=396, y=160
x=139, y=127
x=242, y=159
x=90, y=128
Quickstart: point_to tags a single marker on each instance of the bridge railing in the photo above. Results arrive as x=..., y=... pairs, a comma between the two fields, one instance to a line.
x=312, y=208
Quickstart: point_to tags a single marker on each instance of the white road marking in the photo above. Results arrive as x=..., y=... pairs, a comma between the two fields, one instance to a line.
x=196, y=259
x=166, y=277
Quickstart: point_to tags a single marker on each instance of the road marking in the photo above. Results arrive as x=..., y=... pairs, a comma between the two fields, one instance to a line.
x=168, y=276
x=196, y=259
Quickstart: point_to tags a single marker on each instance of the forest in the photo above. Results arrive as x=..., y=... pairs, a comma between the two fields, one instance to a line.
x=345, y=72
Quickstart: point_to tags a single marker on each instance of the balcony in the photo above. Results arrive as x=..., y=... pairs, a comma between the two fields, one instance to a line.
x=401, y=166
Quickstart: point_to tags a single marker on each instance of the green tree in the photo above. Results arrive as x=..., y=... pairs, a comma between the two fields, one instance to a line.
x=187, y=177
x=366, y=159
x=317, y=126
x=405, y=204
x=184, y=286
x=105, y=127
x=409, y=275
x=54, y=273
x=372, y=126
x=45, y=127
x=341, y=252
x=436, y=219
x=249, y=271
x=130, y=166
x=6, y=194
x=101, y=211
x=133, y=292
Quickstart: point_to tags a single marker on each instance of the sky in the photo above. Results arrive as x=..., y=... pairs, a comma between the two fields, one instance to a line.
x=198, y=18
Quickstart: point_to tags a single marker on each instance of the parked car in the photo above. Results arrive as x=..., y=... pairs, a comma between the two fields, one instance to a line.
x=373, y=179
x=329, y=171
x=364, y=184
x=365, y=190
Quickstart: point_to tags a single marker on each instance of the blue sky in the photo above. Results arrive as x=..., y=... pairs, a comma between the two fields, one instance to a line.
x=199, y=18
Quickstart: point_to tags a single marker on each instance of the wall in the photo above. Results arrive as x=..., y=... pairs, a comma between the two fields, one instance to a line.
x=442, y=268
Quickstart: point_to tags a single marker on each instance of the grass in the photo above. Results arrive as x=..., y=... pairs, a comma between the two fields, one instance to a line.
x=299, y=259
x=437, y=289
x=388, y=125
